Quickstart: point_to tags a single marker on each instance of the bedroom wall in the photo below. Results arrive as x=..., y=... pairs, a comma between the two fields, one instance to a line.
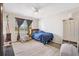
x=11, y=25
x=53, y=22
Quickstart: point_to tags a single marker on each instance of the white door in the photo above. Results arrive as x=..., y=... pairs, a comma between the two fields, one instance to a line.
x=71, y=30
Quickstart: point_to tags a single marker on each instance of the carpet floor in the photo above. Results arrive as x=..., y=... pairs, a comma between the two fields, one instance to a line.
x=35, y=48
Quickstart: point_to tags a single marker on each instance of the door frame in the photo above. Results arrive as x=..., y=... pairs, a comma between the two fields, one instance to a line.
x=1, y=29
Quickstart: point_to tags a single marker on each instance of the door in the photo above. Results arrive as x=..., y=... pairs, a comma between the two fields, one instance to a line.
x=1, y=30
x=71, y=30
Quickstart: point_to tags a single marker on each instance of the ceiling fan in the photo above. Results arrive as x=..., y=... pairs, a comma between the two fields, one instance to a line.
x=36, y=8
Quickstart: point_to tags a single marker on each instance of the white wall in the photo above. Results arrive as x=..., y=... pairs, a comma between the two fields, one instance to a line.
x=35, y=24
x=11, y=25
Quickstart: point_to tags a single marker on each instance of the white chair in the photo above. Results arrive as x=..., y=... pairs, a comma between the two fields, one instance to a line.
x=68, y=50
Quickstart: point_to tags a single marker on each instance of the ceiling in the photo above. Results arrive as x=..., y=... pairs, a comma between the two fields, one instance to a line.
x=27, y=8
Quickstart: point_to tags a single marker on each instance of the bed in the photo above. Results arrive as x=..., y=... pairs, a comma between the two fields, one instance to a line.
x=43, y=37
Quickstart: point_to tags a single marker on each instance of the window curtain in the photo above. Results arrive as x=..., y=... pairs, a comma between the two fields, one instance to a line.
x=19, y=22
x=29, y=22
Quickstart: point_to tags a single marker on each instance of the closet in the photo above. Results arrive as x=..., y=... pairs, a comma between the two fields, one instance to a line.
x=71, y=31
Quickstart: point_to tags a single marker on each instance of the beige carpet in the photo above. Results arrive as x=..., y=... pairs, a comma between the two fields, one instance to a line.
x=34, y=48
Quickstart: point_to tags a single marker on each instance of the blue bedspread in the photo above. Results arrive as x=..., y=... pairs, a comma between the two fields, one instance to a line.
x=42, y=36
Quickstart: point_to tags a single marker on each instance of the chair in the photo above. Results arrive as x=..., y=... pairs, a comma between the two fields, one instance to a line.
x=68, y=50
